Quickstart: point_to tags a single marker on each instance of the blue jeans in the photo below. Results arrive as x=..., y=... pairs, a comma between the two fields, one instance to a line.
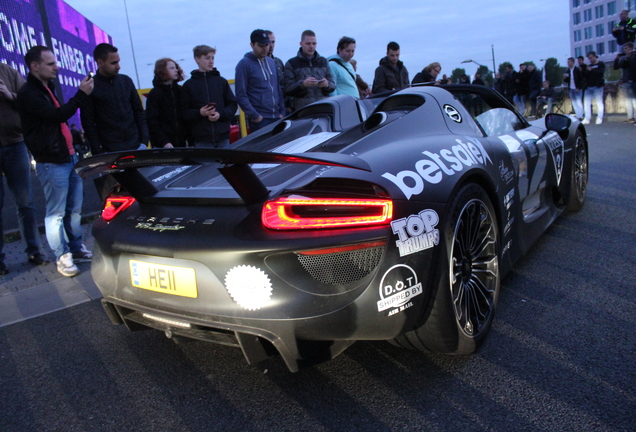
x=63, y=192
x=16, y=166
x=576, y=96
x=630, y=98
x=520, y=102
x=597, y=94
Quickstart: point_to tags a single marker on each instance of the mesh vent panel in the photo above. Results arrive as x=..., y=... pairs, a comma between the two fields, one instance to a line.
x=343, y=267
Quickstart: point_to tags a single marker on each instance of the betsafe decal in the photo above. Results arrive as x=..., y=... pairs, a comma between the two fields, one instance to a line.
x=435, y=166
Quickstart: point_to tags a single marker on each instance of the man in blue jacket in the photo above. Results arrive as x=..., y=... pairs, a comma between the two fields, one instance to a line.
x=258, y=91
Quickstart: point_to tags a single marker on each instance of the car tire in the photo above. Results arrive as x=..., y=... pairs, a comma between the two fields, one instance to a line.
x=463, y=307
x=577, y=181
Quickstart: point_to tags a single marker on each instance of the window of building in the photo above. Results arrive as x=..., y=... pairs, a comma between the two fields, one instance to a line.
x=588, y=33
x=576, y=18
x=589, y=49
x=600, y=48
x=599, y=11
x=576, y=3
x=610, y=26
x=612, y=46
x=587, y=15
x=587, y=1
x=578, y=51
x=577, y=35
x=611, y=8
x=600, y=30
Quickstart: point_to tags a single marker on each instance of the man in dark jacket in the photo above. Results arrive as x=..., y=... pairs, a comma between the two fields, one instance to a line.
x=49, y=139
x=208, y=104
x=625, y=30
x=574, y=80
x=308, y=75
x=627, y=62
x=522, y=88
x=256, y=82
x=16, y=167
x=391, y=74
x=509, y=83
x=534, y=86
x=595, y=79
x=113, y=119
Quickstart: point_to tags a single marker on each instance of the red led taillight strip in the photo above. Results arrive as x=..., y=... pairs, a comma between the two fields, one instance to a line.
x=115, y=205
x=292, y=213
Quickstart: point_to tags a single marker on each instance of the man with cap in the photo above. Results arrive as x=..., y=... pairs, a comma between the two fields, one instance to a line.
x=257, y=86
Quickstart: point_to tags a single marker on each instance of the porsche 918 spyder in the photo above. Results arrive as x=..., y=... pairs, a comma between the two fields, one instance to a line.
x=392, y=218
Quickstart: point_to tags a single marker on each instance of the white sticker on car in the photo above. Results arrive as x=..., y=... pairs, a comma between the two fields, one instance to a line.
x=398, y=287
x=416, y=232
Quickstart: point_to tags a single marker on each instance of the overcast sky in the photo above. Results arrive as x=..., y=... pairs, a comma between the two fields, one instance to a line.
x=448, y=31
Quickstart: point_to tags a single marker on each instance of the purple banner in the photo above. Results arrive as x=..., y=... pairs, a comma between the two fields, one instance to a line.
x=71, y=37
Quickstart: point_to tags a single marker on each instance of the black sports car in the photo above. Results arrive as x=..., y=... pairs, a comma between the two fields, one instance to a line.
x=392, y=218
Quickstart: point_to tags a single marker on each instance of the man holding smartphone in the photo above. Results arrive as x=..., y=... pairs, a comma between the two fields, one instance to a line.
x=208, y=104
x=49, y=140
x=308, y=76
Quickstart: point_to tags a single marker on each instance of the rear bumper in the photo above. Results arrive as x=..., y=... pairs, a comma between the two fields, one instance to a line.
x=257, y=344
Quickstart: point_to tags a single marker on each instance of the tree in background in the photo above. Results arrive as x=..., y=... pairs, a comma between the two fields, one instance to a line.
x=457, y=73
x=502, y=67
x=554, y=72
x=486, y=75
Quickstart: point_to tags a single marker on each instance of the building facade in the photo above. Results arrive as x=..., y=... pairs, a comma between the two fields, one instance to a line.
x=591, y=23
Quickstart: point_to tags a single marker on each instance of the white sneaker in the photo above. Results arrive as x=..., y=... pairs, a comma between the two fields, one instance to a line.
x=585, y=121
x=66, y=266
x=84, y=255
x=599, y=120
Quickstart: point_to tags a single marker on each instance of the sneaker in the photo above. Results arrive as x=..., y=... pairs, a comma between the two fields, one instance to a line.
x=630, y=120
x=66, y=266
x=599, y=121
x=84, y=255
x=3, y=269
x=38, y=259
x=585, y=121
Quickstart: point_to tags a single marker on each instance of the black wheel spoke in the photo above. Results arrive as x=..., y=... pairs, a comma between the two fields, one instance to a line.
x=474, y=267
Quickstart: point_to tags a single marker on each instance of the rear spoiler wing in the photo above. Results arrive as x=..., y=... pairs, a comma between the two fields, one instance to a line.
x=235, y=166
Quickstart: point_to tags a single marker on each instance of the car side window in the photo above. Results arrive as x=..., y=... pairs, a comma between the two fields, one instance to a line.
x=498, y=121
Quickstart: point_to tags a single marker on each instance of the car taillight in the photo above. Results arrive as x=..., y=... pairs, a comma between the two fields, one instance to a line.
x=291, y=213
x=115, y=205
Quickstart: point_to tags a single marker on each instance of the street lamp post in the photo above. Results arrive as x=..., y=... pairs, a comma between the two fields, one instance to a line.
x=492, y=48
x=131, y=45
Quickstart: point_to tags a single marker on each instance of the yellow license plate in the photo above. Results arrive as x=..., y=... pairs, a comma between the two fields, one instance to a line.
x=173, y=280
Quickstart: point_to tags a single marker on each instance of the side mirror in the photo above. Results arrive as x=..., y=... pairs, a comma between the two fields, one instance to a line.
x=557, y=122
